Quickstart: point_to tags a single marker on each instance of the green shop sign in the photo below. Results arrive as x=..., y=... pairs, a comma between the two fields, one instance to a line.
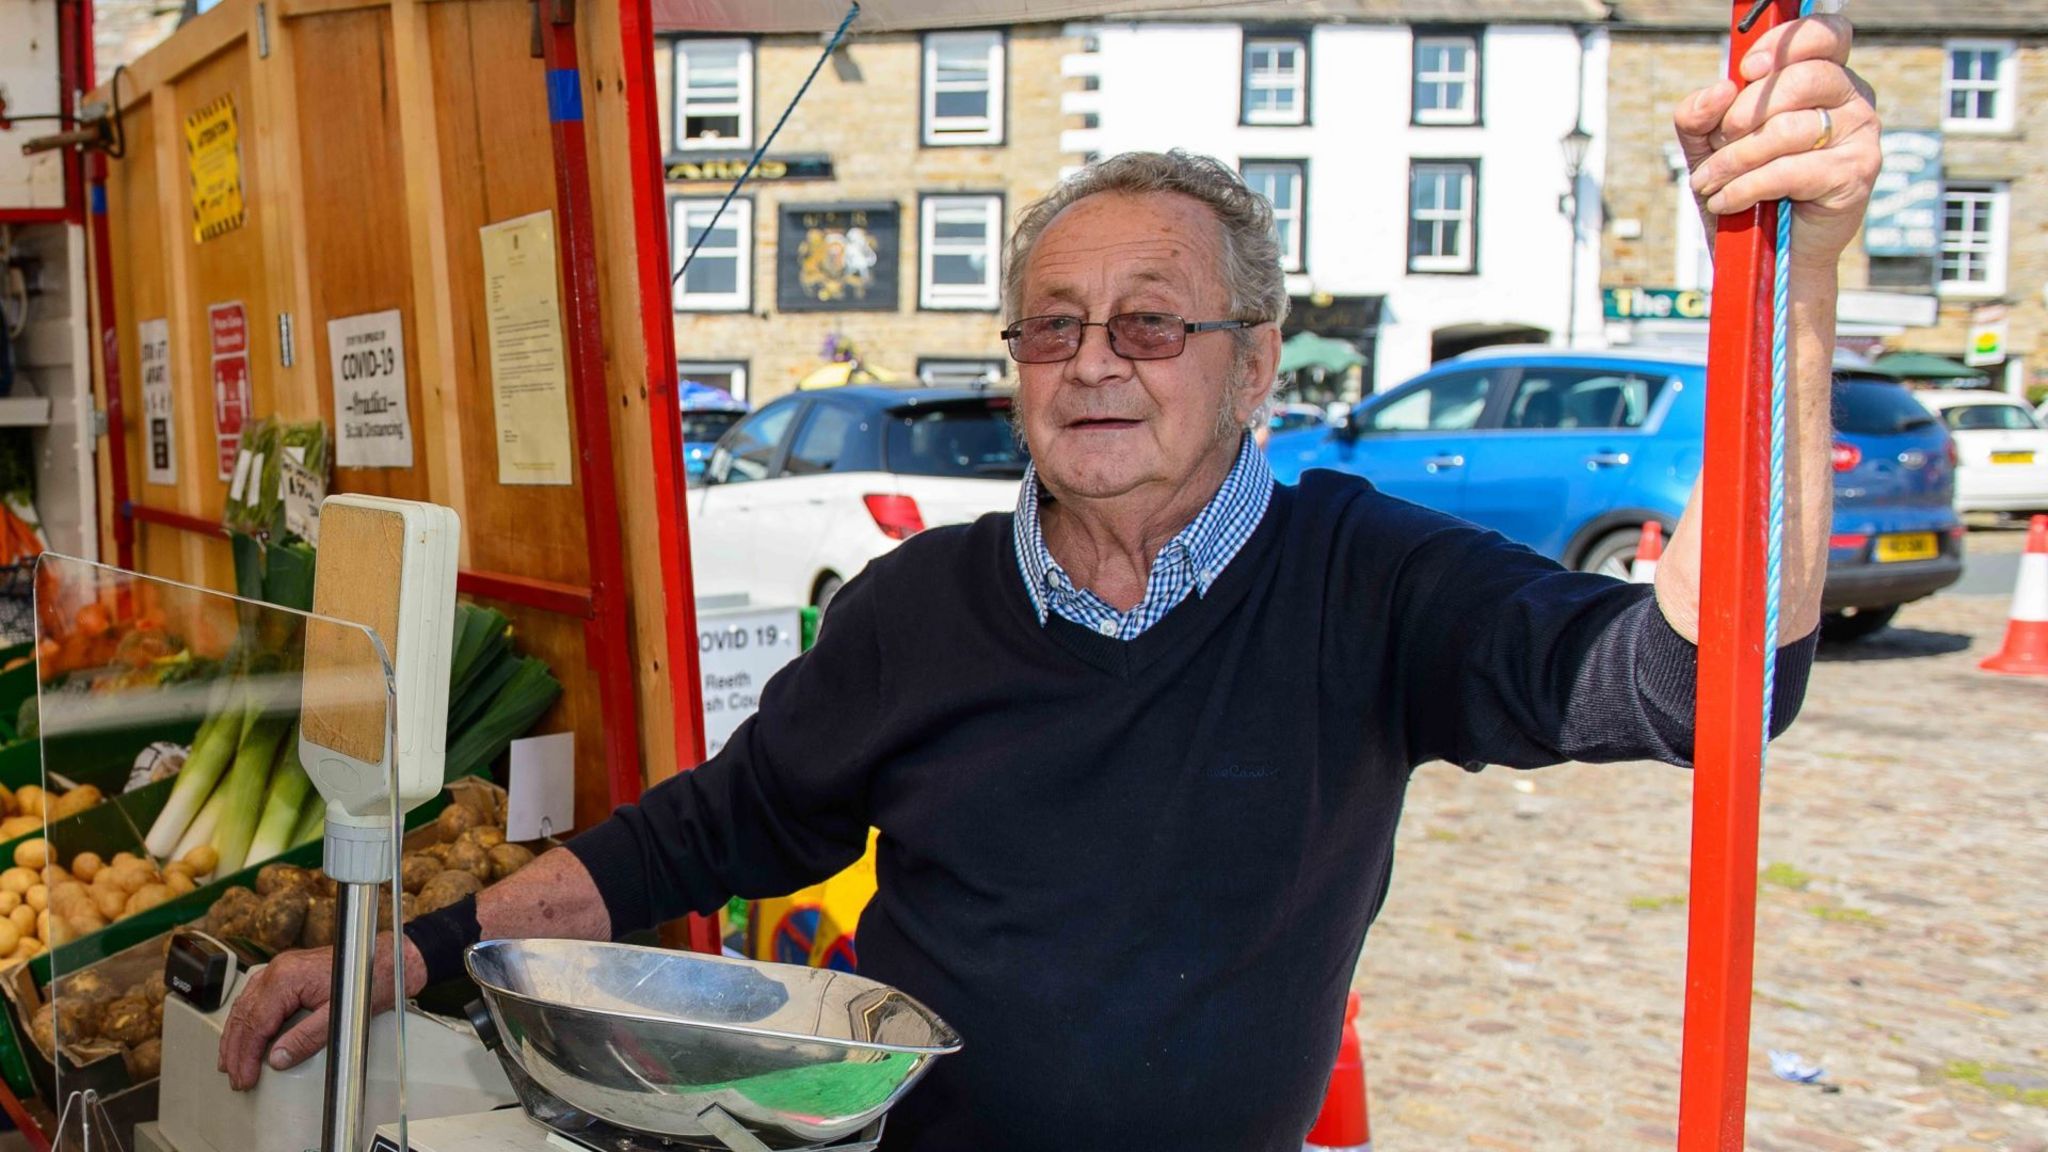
x=1654, y=303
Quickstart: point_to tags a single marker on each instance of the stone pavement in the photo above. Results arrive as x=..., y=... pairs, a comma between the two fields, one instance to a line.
x=1524, y=987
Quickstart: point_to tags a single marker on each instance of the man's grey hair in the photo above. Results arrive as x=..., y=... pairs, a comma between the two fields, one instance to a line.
x=1251, y=253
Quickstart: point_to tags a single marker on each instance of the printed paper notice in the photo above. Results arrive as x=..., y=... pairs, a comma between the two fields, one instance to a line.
x=161, y=454
x=540, y=798
x=529, y=365
x=367, y=354
x=213, y=159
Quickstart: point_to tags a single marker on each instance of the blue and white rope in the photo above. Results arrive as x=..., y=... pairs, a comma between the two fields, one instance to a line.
x=1781, y=377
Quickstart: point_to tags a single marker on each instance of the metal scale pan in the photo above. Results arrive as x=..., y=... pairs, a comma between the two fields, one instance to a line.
x=698, y=1050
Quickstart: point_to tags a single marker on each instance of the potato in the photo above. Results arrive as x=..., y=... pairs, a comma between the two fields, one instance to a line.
x=7, y=803
x=20, y=826
x=109, y=902
x=508, y=858
x=32, y=853
x=274, y=878
x=203, y=859
x=455, y=820
x=125, y=878
x=29, y=800
x=17, y=880
x=146, y=897
x=233, y=914
x=42, y=1028
x=146, y=1060
x=88, y=984
x=485, y=836
x=78, y=1021
x=121, y=858
x=128, y=1020
x=472, y=859
x=43, y=925
x=24, y=918
x=180, y=868
x=86, y=865
x=9, y=901
x=153, y=988
x=415, y=870
x=30, y=949
x=73, y=802
x=37, y=897
x=447, y=888
x=10, y=938
x=179, y=883
x=412, y=909
x=282, y=917
x=319, y=929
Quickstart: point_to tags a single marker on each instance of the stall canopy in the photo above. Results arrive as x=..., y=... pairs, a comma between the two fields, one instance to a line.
x=1308, y=350
x=907, y=15
x=1924, y=366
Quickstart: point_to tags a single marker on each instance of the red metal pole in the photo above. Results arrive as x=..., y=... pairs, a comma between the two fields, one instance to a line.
x=605, y=635
x=657, y=329
x=110, y=365
x=1728, y=753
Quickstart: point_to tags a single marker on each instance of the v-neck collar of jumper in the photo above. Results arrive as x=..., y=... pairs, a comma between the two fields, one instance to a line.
x=1191, y=562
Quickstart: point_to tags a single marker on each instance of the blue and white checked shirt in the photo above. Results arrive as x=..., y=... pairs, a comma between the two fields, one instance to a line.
x=1190, y=562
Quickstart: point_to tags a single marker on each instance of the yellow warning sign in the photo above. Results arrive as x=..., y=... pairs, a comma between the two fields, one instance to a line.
x=213, y=154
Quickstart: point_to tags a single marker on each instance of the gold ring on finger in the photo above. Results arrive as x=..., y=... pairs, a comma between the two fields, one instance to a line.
x=1827, y=131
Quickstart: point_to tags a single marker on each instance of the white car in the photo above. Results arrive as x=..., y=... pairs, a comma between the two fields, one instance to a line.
x=2001, y=450
x=801, y=494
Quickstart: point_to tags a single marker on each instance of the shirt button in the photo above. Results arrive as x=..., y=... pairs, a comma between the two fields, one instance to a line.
x=1106, y=627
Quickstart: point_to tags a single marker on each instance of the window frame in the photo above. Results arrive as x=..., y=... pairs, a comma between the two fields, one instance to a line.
x=1437, y=265
x=926, y=217
x=1000, y=367
x=1251, y=38
x=1996, y=252
x=1475, y=39
x=2005, y=86
x=931, y=132
x=739, y=301
x=738, y=370
x=1299, y=262
x=678, y=143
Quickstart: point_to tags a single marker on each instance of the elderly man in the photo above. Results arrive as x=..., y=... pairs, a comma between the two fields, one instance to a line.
x=1137, y=752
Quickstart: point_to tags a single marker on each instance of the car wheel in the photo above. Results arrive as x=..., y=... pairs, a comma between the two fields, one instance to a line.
x=828, y=587
x=1856, y=623
x=1613, y=554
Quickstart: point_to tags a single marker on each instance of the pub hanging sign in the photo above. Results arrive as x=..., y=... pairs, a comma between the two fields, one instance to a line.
x=838, y=257
x=772, y=170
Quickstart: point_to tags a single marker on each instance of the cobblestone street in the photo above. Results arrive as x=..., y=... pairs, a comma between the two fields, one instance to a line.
x=1524, y=987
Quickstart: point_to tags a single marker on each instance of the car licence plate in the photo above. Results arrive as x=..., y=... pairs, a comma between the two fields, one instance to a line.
x=2012, y=457
x=1907, y=546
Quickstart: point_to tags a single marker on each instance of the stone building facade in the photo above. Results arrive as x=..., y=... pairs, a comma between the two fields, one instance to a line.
x=875, y=226
x=1970, y=82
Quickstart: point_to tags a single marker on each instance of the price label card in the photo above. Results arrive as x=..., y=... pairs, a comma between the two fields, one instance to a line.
x=303, y=491
x=541, y=796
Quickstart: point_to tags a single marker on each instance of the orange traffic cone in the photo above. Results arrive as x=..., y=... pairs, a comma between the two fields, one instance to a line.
x=1649, y=549
x=2026, y=632
x=1342, y=1126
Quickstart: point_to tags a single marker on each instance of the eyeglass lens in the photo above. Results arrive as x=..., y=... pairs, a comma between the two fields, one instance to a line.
x=1135, y=335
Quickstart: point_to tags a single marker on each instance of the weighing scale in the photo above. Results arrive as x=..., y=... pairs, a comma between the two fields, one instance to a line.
x=606, y=1047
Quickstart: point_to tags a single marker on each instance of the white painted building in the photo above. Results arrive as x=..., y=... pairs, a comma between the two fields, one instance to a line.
x=1417, y=168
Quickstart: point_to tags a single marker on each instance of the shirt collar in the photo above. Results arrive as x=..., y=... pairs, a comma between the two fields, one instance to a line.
x=1215, y=536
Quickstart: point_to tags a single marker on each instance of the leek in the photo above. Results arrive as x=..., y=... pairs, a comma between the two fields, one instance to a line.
x=516, y=707
x=244, y=789
x=201, y=831
x=202, y=770
x=312, y=818
x=281, y=806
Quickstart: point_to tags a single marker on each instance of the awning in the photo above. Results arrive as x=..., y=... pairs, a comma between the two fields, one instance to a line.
x=822, y=16
x=1308, y=350
x=1924, y=366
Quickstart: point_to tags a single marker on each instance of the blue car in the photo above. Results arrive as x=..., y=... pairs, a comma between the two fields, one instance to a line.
x=1571, y=452
x=707, y=413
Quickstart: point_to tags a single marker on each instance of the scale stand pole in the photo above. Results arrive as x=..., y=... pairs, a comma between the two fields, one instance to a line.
x=348, y=1018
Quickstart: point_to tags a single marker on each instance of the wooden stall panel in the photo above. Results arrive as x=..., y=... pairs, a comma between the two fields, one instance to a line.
x=226, y=268
x=497, y=163
x=558, y=640
x=357, y=246
x=136, y=249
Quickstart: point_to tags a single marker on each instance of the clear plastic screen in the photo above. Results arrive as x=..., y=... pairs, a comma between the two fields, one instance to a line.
x=169, y=793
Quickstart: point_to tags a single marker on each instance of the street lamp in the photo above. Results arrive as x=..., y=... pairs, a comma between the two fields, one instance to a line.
x=1575, y=143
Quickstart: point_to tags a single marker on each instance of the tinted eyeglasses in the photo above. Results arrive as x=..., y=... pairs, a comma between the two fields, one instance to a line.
x=1132, y=335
